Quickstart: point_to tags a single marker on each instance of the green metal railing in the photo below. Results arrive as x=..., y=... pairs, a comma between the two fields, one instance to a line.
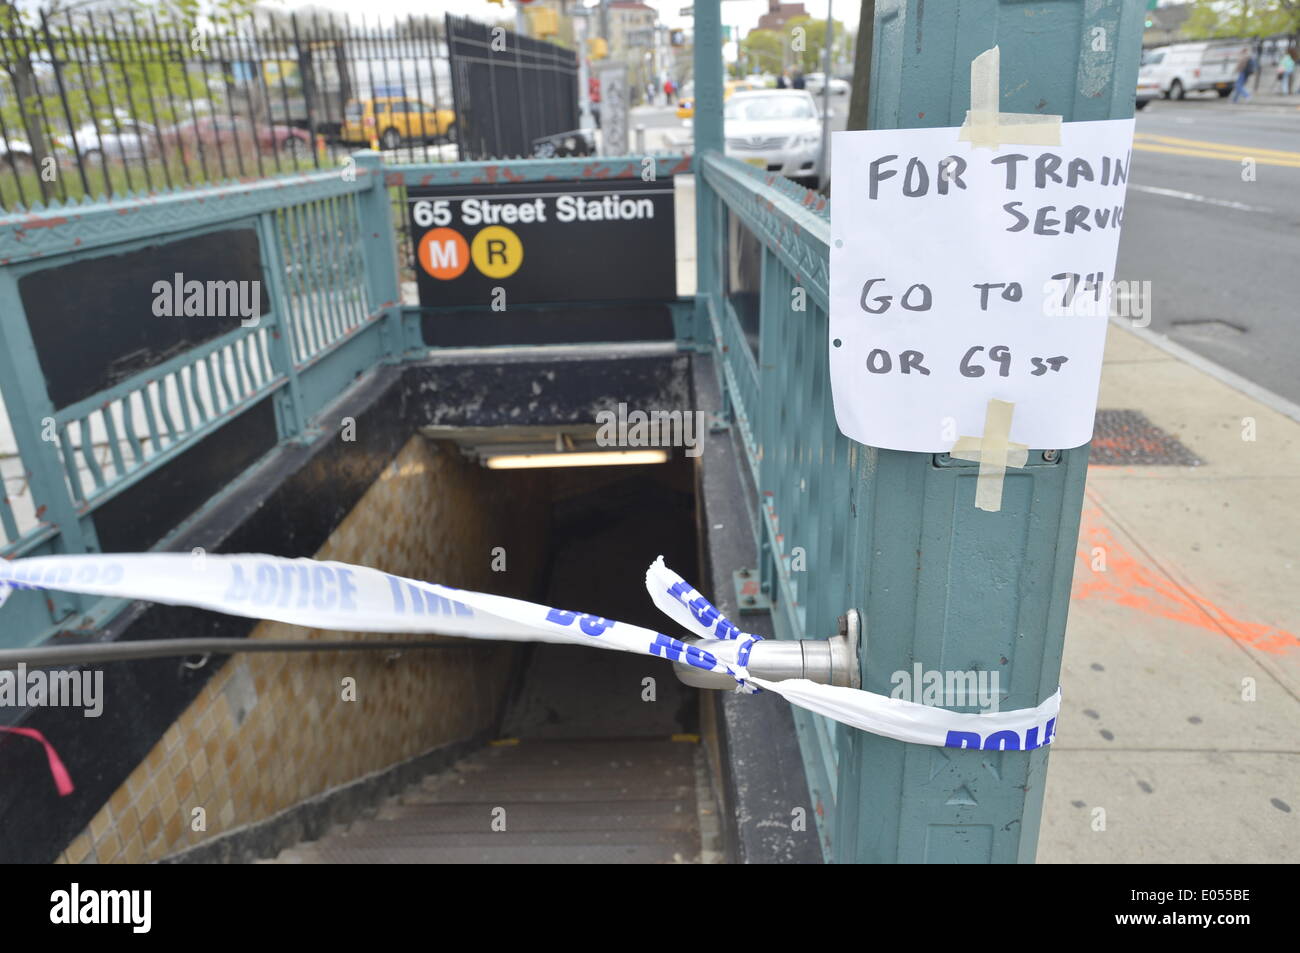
x=769, y=341
x=780, y=403
x=330, y=287
x=329, y=244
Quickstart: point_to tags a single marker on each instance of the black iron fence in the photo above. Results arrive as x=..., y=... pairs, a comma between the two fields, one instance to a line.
x=101, y=104
x=541, y=85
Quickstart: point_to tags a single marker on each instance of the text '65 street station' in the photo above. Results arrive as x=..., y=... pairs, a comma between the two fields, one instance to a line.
x=565, y=208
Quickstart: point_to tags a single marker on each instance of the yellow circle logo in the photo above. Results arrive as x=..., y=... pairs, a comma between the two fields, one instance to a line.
x=497, y=251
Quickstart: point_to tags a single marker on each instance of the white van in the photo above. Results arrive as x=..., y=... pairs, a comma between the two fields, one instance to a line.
x=1192, y=67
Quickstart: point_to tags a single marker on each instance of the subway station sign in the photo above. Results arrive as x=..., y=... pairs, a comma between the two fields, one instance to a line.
x=541, y=242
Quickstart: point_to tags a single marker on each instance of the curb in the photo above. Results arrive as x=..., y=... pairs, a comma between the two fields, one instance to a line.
x=1236, y=381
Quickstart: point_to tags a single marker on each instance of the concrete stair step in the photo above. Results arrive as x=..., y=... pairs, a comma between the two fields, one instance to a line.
x=513, y=854
x=520, y=790
x=399, y=837
x=597, y=801
x=533, y=816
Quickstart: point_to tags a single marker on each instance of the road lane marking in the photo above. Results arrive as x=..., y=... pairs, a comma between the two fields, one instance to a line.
x=1204, y=154
x=1193, y=197
x=1172, y=145
x=1219, y=146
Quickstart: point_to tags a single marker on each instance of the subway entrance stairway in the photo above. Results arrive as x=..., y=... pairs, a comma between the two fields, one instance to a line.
x=254, y=753
x=600, y=758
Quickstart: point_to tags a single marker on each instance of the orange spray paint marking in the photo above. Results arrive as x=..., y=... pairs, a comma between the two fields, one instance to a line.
x=1132, y=584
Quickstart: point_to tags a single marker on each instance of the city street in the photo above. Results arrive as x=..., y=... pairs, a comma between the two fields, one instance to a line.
x=1221, y=252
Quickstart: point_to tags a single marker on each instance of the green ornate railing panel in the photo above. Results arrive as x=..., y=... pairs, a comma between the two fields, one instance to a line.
x=324, y=272
x=802, y=465
x=111, y=440
x=326, y=258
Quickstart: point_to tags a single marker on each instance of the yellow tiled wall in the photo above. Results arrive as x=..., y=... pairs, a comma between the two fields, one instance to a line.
x=270, y=730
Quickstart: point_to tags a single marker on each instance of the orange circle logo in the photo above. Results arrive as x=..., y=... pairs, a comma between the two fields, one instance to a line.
x=444, y=253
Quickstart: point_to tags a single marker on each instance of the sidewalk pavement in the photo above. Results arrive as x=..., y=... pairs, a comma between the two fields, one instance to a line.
x=1274, y=98
x=1265, y=97
x=664, y=132
x=1179, y=736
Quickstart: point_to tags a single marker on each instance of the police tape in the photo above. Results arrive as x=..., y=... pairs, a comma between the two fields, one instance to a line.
x=1021, y=729
x=331, y=595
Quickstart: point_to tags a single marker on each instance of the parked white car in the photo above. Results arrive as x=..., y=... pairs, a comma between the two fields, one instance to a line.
x=813, y=83
x=777, y=130
x=1186, y=68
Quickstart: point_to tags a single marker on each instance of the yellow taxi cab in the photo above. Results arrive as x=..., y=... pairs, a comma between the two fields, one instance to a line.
x=686, y=105
x=393, y=120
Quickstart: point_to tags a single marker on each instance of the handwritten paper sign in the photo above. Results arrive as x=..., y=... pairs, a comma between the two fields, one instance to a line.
x=961, y=275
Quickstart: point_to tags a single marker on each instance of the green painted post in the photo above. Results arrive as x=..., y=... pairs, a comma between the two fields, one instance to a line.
x=379, y=247
x=30, y=411
x=939, y=582
x=290, y=419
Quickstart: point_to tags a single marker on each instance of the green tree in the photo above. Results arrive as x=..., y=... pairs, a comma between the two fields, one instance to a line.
x=763, y=50
x=1212, y=19
x=812, y=57
x=801, y=43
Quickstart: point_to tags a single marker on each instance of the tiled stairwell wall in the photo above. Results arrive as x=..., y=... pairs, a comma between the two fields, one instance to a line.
x=271, y=730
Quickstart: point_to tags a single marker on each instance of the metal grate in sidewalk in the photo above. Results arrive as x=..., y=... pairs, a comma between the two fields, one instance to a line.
x=1127, y=438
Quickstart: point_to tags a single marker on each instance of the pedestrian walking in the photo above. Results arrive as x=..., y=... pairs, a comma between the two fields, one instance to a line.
x=796, y=82
x=780, y=80
x=1245, y=69
x=1285, y=70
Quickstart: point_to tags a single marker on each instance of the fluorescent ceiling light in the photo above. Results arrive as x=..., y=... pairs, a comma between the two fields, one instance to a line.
x=606, y=458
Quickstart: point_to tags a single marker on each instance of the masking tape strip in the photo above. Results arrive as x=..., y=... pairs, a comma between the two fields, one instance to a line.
x=994, y=452
x=339, y=596
x=987, y=128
